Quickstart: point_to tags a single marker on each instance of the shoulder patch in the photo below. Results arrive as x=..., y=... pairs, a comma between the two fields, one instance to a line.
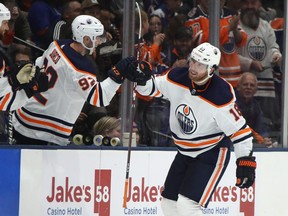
x=82, y=63
x=219, y=92
x=179, y=76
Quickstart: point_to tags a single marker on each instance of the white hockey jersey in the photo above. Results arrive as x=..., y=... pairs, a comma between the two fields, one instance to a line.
x=260, y=46
x=9, y=100
x=50, y=115
x=200, y=117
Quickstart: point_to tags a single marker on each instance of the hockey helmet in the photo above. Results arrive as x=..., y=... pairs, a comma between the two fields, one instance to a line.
x=85, y=25
x=207, y=54
x=4, y=13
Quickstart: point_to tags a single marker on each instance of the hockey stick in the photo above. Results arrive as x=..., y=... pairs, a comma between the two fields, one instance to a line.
x=29, y=44
x=132, y=116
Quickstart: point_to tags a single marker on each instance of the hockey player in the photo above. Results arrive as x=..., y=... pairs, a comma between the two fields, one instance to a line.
x=204, y=119
x=11, y=80
x=50, y=116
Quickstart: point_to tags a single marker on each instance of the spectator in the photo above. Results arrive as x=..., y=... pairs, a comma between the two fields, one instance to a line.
x=146, y=106
x=42, y=16
x=62, y=28
x=18, y=24
x=231, y=38
x=278, y=26
x=233, y=6
x=50, y=116
x=166, y=10
x=250, y=108
x=259, y=55
x=20, y=54
x=157, y=44
x=92, y=8
x=108, y=126
x=182, y=47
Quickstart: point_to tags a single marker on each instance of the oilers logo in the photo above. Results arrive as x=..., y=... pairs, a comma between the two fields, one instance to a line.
x=186, y=119
x=230, y=46
x=257, y=48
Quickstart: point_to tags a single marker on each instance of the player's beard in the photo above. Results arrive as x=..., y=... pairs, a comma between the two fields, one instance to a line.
x=250, y=17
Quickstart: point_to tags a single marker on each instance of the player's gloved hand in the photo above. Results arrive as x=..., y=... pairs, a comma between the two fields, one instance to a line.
x=20, y=74
x=142, y=74
x=39, y=82
x=120, y=69
x=25, y=74
x=245, y=171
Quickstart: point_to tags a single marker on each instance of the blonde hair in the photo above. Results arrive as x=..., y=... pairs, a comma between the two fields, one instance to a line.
x=104, y=124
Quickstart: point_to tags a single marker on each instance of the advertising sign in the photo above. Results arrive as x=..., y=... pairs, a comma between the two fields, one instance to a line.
x=91, y=183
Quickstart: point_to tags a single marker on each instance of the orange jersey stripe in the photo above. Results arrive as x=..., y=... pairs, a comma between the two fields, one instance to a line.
x=201, y=144
x=44, y=123
x=238, y=133
x=96, y=95
x=4, y=101
x=215, y=177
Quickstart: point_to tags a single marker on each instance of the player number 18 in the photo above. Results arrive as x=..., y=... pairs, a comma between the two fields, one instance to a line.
x=235, y=112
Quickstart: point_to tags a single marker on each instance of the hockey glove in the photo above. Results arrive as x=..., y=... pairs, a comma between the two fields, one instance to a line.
x=245, y=171
x=121, y=68
x=39, y=82
x=141, y=74
x=20, y=74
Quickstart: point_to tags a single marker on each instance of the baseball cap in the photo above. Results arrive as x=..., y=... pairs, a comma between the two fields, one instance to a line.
x=89, y=3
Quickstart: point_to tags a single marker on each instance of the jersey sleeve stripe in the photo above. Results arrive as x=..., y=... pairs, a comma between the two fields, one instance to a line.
x=4, y=101
x=43, y=123
x=218, y=171
x=240, y=132
x=235, y=141
x=153, y=88
x=100, y=96
x=96, y=95
x=92, y=91
x=11, y=101
x=2, y=70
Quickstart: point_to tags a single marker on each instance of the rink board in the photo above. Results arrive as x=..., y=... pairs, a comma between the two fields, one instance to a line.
x=91, y=183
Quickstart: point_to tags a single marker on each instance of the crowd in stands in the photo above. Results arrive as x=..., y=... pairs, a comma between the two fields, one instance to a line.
x=251, y=37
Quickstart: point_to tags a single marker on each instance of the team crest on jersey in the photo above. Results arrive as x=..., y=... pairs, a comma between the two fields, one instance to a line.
x=186, y=119
x=55, y=56
x=257, y=48
x=229, y=47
